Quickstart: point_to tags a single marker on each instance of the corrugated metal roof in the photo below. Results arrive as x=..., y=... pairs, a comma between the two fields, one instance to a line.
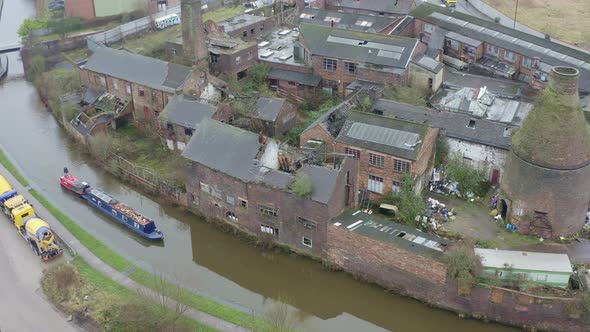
x=385, y=136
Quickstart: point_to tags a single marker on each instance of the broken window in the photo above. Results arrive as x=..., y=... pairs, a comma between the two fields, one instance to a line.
x=243, y=203
x=376, y=160
x=231, y=216
x=401, y=166
x=471, y=124
x=307, y=242
x=307, y=223
x=375, y=184
x=350, y=67
x=245, y=34
x=329, y=64
x=354, y=153
x=188, y=131
x=268, y=211
x=214, y=57
x=396, y=186
x=269, y=230
x=141, y=92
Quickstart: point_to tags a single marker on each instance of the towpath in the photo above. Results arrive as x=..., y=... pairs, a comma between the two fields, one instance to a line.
x=89, y=257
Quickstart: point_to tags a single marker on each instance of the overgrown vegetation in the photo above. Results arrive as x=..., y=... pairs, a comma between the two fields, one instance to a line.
x=281, y=318
x=53, y=85
x=254, y=82
x=301, y=185
x=469, y=179
x=312, y=109
x=462, y=264
x=29, y=25
x=442, y=150
x=408, y=203
x=141, y=147
x=87, y=294
x=408, y=94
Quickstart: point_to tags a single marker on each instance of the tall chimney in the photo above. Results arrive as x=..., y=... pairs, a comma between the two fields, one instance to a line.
x=565, y=80
x=193, y=35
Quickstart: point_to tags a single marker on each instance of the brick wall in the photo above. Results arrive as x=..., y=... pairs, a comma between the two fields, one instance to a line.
x=80, y=8
x=229, y=64
x=318, y=133
x=253, y=31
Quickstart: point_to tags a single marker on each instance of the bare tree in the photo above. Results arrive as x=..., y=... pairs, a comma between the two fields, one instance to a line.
x=167, y=295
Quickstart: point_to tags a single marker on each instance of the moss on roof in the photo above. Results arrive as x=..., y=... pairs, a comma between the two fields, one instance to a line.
x=555, y=134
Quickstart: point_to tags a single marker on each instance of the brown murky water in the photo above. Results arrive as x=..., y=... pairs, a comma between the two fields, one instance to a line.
x=194, y=253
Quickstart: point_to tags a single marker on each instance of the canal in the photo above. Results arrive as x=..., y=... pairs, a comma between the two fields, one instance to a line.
x=194, y=253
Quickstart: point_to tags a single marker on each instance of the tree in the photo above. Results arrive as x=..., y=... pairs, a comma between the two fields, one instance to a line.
x=29, y=25
x=408, y=203
x=301, y=185
x=468, y=178
x=280, y=318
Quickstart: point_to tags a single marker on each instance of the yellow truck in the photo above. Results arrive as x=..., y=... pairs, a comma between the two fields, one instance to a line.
x=450, y=3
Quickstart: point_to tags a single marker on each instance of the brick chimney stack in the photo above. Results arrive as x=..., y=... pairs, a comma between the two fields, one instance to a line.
x=193, y=35
x=566, y=80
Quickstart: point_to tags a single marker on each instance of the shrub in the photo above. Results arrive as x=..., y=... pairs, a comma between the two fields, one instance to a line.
x=408, y=94
x=29, y=25
x=62, y=284
x=462, y=264
x=468, y=178
x=408, y=203
x=301, y=185
x=442, y=150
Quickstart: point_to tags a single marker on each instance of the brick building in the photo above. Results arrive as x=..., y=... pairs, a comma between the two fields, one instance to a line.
x=247, y=27
x=89, y=9
x=241, y=183
x=147, y=83
x=342, y=56
x=180, y=118
x=466, y=40
x=272, y=116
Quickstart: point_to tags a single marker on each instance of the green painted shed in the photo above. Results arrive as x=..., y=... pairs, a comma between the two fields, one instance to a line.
x=533, y=268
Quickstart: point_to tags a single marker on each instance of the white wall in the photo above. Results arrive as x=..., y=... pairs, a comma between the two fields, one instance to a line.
x=483, y=157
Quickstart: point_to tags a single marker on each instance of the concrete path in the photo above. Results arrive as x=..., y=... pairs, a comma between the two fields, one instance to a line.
x=22, y=306
x=101, y=266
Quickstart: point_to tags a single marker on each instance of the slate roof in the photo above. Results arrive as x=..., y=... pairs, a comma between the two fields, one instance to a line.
x=224, y=148
x=429, y=64
x=295, y=76
x=383, y=134
x=187, y=111
x=323, y=180
x=371, y=48
x=344, y=20
x=382, y=6
x=267, y=109
x=147, y=71
x=486, y=132
x=548, y=51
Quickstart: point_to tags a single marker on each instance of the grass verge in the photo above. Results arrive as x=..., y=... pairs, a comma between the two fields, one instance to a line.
x=119, y=263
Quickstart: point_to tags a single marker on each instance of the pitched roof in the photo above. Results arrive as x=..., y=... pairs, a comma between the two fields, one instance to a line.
x=371, y=48
x=323, y=181
x=344, y=20
x=187, y=111
x=522, y=260
x=455, y=125
x=548, y=51
x=384, y=6
x=430, y=64
x=224, y=148
x=383, y=134
x=267, y=109
x=294, y=76
x=150, y=72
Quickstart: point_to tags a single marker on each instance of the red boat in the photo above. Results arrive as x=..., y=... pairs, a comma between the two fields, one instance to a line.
x=73, y=184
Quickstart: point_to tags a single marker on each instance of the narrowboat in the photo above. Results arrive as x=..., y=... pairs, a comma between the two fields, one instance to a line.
x=111, y=207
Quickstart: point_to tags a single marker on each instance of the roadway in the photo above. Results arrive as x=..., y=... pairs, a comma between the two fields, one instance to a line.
x=22, y=305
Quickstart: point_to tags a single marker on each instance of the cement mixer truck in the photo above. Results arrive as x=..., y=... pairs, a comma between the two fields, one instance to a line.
x=32, y=228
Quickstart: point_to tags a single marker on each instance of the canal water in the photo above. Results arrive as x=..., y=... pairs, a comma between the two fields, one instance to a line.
x=194, y=253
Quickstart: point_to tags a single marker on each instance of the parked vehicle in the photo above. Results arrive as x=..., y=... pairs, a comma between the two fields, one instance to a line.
x=30, y=226
x=123, y=214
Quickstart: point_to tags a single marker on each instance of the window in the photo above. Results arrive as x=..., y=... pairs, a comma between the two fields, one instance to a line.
x=306, y=242
x=329, y=64
x=141, y=92
x=428, y=28
x=356, y=154
x=231, y=216
x=169, y=126
x=245, y=34
x=375, y=184
x=307, y=223
x=376, y=160
x=269, y=230
x=115, y=84
x=401, y=166
x=268, y=211
x=243, y=203
x=396, y=186
x=251, y=31
x=350, y=67
x=250, y=56
x=238, y=60
x=188, y=131
x=213, y=57
x=261, y=27
x=453, y=44
x=492, y=49
x=471, y=124
x=205, y=187
x=291, y=83
x=128, y=88
x=509, y=56
x=230, y=200
x=527, y=62
x=216, y=193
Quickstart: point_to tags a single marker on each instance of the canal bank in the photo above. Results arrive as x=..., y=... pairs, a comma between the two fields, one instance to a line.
x=195, y=253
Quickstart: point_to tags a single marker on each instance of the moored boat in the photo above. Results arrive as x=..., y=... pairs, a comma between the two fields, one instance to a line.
x=122, y=213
